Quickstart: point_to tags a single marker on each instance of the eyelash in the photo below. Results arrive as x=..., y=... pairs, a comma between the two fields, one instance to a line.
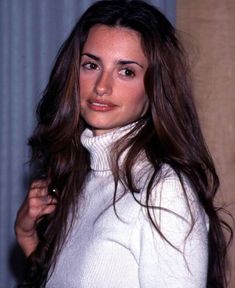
x=88, y=66
x=132, y=73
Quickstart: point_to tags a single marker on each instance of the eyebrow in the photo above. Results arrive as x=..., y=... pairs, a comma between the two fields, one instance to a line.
x=120, y=62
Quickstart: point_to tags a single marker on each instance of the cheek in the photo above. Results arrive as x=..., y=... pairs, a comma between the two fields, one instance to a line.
x=83, y=88
x=142, y=103
x=85, y=79
x=143, y=106
x=141, y=100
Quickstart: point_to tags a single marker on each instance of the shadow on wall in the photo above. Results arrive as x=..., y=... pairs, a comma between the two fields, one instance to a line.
x=16, y=259
x=17, y=262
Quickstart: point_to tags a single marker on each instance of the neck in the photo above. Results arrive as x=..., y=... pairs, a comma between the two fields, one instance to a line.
x=99, y=146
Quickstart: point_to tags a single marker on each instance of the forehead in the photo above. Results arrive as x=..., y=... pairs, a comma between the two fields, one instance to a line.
x=114, y=40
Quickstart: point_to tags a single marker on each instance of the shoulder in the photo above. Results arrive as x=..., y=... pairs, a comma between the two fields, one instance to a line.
x=172, y=201
x=169, y=239
x=170, y=188
x=166, y=185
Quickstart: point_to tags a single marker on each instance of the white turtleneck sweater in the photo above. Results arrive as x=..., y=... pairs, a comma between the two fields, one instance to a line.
x=106, y=251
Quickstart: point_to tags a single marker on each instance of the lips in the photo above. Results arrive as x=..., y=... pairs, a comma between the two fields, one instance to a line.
x=100, y=105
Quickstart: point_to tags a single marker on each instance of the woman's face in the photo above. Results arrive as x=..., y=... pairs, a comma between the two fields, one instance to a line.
x=111, y=78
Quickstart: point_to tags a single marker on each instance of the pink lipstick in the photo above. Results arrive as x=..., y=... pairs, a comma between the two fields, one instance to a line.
x=101, y=105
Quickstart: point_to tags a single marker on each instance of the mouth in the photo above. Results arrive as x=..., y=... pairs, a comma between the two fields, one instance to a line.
x=101, y=105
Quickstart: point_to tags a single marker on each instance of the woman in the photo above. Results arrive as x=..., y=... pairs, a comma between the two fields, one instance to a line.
x=124, y=196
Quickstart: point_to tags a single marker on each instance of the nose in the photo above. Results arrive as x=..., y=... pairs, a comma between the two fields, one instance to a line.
x=103, y=85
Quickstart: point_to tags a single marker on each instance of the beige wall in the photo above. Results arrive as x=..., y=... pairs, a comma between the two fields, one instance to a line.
x=208, y=30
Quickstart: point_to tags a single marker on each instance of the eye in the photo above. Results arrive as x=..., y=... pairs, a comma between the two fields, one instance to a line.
x=90, y=65
x=127, y=72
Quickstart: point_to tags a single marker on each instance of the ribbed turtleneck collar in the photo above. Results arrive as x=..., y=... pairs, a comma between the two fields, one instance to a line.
x=100, y=146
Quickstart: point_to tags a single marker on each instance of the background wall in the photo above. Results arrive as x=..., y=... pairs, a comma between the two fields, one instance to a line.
x=208, y=31
x=31, y=33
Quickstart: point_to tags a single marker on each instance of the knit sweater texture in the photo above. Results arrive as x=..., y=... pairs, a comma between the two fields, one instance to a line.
x=124, y=250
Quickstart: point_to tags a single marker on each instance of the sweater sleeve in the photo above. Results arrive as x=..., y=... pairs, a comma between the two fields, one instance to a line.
x=160, y=264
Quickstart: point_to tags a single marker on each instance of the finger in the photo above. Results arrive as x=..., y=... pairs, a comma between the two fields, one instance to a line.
x=37, y=193
x=37, y=210
x=41, y=202
x=48, y=200
x=39, y=184
x=46, y=211
x=39, y=189
x=28, y=217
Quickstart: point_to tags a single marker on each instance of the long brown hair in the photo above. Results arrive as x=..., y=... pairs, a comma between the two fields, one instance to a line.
x=170, y=133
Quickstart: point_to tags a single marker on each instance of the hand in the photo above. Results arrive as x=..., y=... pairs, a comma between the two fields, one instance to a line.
x=36, y=204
